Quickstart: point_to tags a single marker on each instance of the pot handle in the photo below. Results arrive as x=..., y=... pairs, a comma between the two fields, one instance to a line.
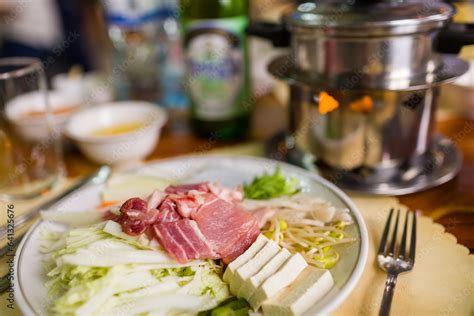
x=274, y=32
x=454, y=37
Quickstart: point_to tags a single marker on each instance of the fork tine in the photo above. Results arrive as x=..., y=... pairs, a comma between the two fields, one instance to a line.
x=394, y=235
x=383, y=241
x=413, y=239
x=402, y=251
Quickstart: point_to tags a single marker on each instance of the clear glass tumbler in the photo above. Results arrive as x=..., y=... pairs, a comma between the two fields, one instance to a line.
x=30, y=141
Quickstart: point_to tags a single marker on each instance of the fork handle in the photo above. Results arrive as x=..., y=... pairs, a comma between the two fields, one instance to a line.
x=388, y=294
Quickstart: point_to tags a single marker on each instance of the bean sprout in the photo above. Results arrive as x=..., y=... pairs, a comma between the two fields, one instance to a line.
x=303, y=231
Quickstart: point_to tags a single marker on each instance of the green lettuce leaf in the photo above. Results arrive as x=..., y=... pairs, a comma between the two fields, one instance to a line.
x=271, y=186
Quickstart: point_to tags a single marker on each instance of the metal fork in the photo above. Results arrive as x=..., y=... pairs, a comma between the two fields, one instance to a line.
x=395, y=262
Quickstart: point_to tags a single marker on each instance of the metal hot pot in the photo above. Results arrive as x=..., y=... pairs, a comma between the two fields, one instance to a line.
x=376, y=59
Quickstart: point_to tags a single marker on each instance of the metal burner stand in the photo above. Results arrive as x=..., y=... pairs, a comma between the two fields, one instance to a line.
x=439, y=165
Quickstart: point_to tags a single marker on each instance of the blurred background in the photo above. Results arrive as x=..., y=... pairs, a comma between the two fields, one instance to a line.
x=206, y=65
x=127, y=50
x=107, y=50
x=95, y=38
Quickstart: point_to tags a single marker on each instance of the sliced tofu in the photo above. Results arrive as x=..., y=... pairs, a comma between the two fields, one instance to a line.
x=252, y=266
x=245, y=257
x=287, y=273
x=250, y=285
x=310, y=286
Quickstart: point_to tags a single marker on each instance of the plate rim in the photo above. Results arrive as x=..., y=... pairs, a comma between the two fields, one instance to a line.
x=344, y=291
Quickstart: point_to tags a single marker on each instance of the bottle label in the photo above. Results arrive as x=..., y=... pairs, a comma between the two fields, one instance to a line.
x=216, y=67
x=135, y=13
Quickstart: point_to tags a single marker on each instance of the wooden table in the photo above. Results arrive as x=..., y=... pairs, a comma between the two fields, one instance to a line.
x=451, y=204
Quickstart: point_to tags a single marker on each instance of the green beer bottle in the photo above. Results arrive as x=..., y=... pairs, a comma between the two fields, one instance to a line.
x=218, y=77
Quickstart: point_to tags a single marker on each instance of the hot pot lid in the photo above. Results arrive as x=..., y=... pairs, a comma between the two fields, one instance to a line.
x=451, y=67
x=365, y=18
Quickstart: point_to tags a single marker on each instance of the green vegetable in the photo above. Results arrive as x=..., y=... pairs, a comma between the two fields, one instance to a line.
x=178, y=272
x=271, y=186
x=231, y=307
x=93, y=272
x=328, y=261
x=208, y=283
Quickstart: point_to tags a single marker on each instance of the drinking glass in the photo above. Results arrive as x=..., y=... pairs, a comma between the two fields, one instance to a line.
x=30, y=143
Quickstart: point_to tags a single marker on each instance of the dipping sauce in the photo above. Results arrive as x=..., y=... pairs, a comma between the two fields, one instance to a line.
x=118, y=129
x=56, y=111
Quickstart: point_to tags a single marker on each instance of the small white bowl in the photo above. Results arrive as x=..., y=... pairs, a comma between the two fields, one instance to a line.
x=37, y=128
x=120, y=149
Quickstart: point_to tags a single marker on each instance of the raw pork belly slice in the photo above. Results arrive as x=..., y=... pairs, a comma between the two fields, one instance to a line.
x=185, y=205
x=192, y=221
x=174, y=230
x=229, y=195
x=228, y=229
x=135, y=217
x=249, y=234
x=185, y=188
x=170, y=242
x=191, y=230
x=168, y=212
x=156, y=198
x=134, y=204
x=183, y=240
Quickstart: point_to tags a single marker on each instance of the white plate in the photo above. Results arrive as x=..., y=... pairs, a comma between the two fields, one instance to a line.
x=29, y=281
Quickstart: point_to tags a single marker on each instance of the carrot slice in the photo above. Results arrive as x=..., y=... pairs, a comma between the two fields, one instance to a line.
x=106, y=204
x=363, y=105
x=327, y=103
